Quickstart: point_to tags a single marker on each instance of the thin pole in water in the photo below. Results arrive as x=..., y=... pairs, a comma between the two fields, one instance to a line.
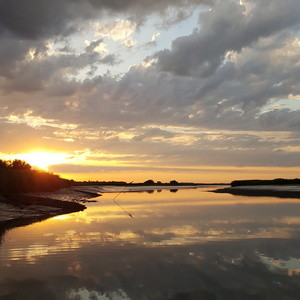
x=114, y=199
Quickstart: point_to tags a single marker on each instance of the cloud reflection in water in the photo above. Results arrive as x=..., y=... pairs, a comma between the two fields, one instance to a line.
x=191, y=242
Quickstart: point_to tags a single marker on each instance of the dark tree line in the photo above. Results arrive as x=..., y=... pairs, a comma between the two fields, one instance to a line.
x=277, y=181
x=15, y=164
x=17, y=176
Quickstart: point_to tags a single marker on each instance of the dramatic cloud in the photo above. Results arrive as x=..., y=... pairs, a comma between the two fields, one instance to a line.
x=36, y=19
x=227, y=27
x=220, y=89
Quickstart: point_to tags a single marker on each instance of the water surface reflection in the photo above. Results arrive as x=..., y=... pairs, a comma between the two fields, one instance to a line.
x=191, y=244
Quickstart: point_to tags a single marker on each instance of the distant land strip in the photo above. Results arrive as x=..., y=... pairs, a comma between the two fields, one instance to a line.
x=145, y=183
x=247, y=188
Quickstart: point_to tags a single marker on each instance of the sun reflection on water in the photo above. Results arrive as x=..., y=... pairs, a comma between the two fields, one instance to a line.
x=175, y=237
x=160, y=219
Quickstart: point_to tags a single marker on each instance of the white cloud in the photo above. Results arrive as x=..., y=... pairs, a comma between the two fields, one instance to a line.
x=97, y=47
x=129, y=42
x=116, y=30
x=155, y=37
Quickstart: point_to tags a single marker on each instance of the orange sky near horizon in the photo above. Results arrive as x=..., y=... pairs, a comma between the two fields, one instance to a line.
x=205, y=176
x=82, y=169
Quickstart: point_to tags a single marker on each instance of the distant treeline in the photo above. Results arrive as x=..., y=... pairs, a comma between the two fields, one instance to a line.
x=149, y=182
x=17, y=176
x=277, y=181
x=93, y=182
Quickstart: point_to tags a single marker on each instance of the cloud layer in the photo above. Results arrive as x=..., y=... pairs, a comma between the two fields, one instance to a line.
x=210, y=99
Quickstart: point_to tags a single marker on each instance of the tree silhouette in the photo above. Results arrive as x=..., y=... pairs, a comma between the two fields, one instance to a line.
x=20, y=165
x=149, y=182
x=17, y=176
x=174, y=182
x=3, y=164
x=14, y=164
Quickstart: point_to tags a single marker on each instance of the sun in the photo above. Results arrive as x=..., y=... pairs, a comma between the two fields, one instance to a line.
x=42, y=159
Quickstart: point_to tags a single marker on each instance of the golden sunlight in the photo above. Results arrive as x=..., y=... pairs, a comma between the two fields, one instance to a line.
x=42, y=159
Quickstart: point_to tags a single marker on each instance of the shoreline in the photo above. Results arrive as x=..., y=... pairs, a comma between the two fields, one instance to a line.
x=279, y=191
x=26, y=208
x=144, y=188
x=21, y=209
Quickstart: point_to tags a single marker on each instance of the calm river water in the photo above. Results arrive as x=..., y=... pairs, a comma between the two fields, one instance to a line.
x=189, y=244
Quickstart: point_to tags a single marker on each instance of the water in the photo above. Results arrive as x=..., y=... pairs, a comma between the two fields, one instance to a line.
x=189, y=244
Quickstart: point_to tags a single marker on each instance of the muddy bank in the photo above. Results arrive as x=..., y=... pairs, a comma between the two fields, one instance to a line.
x=22, y=201
x=21, y=209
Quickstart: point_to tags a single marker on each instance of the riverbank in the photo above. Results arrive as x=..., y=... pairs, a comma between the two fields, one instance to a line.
x=280, y=191
x=19, y=209
x=24, y=208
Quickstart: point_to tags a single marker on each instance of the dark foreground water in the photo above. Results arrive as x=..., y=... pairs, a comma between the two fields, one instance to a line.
x=191, y=244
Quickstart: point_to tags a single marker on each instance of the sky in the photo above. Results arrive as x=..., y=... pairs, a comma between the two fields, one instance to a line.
x=192, y=90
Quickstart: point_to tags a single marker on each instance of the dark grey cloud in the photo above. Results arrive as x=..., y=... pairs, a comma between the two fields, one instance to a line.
x=171, y=18
x=140, y=8
x=40, y=19
x=31, y=75
x=245, y=84
x=232, y=99
x=281, y=118
x=36, y=19
x=225, y=28
x=13, y=51
x=144, y=5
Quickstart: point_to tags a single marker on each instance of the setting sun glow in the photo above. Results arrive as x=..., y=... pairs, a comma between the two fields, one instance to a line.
x=42, y=159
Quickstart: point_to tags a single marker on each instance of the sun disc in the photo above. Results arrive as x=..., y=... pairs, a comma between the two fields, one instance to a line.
x=42, y=159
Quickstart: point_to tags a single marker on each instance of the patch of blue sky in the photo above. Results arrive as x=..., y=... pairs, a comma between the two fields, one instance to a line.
x=130, y=56
x=143, y=48
x=284, y=103
x=183, y=28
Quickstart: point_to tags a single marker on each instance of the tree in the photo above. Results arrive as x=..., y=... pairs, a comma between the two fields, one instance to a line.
x=17, y=177
x=20, y=165
x=174, y=182
x=149, y=182
x=3, y=164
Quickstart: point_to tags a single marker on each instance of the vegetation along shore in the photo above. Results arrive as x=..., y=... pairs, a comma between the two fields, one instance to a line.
x=281, y=188
x=28, y=195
